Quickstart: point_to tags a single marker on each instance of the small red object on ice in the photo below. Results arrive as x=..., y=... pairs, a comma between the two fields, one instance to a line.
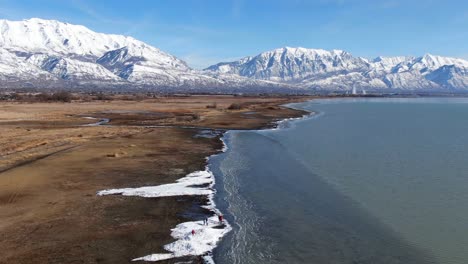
x=193, y=232
x=220, y=217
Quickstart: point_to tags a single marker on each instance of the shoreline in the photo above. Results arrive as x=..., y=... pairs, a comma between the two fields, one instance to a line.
x=198, y=244
x=253, y=165
x=276, y=125
x=136, y=145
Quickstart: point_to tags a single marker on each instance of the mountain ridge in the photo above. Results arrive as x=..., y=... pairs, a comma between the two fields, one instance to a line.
x=48, y=53
x=60, y=54
x=339, y=70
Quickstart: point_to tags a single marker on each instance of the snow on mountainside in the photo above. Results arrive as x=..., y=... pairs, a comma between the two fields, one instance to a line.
x=52, y=53
x=450, y=76
x=71, y=69
x=48, y=53
x=292, y=64
x=385, y=64
x=11, y=67
x=75, y=49
x=57, y=38
x=339, y=70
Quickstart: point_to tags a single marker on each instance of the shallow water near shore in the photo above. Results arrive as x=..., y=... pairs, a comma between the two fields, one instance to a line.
x=364, y=181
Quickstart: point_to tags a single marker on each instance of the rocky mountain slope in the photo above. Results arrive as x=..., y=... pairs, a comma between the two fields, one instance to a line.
x=51, y=54
x=339, y=70
x=48, y=53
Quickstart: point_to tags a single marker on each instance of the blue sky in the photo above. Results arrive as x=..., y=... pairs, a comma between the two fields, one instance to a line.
x=204, y=32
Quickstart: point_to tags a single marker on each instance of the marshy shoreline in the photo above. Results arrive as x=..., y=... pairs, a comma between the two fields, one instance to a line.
x=50, y=212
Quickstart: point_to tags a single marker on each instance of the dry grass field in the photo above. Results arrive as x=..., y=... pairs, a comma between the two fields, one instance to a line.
x=52, y=163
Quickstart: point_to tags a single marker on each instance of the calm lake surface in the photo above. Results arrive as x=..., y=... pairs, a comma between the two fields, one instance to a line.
x=363, y=181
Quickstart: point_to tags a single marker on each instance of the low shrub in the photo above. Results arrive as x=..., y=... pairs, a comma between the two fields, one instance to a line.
x=235, y=106
x=212, y=106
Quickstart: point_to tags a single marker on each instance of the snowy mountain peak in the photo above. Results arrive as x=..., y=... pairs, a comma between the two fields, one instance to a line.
x=63, y=39
x=338, y=70
x=291, y=64
x=433, y=62
x=49, y=53
x=74, y=52
x=391, y=60
x=300, y=51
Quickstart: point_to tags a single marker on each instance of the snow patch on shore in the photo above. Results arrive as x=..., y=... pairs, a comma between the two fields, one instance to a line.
x=288, y=122
x=202, y=242
x=225, y=146
x=189, y=185
x=101, y=121
x=206, y=236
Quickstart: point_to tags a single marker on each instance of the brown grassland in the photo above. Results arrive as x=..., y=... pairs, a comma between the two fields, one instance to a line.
x=52, y=165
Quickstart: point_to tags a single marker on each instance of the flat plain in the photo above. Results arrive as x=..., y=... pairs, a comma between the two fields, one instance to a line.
x=53, y=160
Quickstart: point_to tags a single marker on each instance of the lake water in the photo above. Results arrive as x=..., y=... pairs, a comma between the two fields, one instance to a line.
x=363, y=181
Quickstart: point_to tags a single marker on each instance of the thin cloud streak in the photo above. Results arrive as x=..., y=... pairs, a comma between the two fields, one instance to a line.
x=86, y=9
x=236, y=9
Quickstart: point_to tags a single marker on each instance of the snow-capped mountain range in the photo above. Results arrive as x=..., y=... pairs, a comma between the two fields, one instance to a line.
x=51, y=54
x=48, y=53
x=339, y=70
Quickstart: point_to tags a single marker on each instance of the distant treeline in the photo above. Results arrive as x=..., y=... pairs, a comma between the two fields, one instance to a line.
x=66, y=97
x=69, y=96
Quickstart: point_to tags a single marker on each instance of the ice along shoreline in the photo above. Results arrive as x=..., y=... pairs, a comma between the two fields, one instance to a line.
x=195, y=238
